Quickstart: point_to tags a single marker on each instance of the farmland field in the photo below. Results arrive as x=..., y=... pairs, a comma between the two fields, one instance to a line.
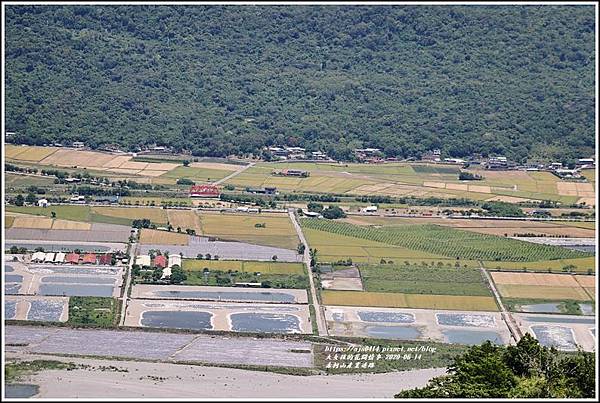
x=397, y=300
x=278, y=230
x=333, y=247
x=423, y=280
x=155, y=237
x=543, y=286
x=447, y=242
x=184, y=219
x=156, y=215
x=542, y=292
x=196, y=174
x=398, y=179
x=76, y=213
x=581, y=265
x=8, y=221
x=28, y=153
x=490, y=227
x=244, y=266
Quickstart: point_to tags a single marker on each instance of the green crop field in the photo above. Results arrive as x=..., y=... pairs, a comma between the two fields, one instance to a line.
x=448, y=242
x=196, y=174
x=244, y=266
x=334, y=247
x=440, y=280
x=75, y=213
x=581, y=265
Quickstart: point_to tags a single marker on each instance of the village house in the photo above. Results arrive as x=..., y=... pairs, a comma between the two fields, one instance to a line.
x=204, y=191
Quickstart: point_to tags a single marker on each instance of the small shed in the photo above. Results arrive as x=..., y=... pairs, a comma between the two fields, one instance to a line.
x=174, y=260
x=105, y=258
x=59, y=258
x=49, y=258
x=38, y=257
x=89, y=258
x=72, y=258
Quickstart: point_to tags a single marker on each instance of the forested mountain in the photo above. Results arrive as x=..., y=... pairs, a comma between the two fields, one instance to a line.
x=513, y=80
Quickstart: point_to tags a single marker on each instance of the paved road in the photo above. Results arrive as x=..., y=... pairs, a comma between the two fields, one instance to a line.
x=320, y=316
x=128, y=275
x=239, y=171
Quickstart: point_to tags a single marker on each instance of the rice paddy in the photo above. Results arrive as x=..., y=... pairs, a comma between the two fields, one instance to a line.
x=196, y=174
x=398, y=300
x=184, y=219
x=156, y=237
x=156, y=215
x=277, y=231
x=402, y=179
x=544, y=286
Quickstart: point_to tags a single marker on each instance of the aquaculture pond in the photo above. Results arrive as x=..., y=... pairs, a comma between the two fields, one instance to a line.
x=76, y=290
x=228, y=295
x=45, y=310
x=471, y=337
x=394, y=332
x=177, y=320
x=558, y=336
x=381, y=316
x=265, y=323
x=465, y=319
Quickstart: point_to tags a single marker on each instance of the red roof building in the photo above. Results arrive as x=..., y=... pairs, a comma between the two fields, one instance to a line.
x=160, y=261
x=72, y=258
x=204, y=191
x=105, y=259
x=89, y=258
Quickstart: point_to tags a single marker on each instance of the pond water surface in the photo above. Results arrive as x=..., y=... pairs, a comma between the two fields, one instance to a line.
x=229, y=295
x=471, y=337
x=177, y=320
x=76, y=290
x=394, y=332
x=265, y=323
x=382, y=316
x=20, y=390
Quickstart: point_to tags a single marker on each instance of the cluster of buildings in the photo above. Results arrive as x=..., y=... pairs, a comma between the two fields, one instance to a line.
x=267, y=190
x=159, y=261
x=296, y=153
x=298, y=173
x=72, y=258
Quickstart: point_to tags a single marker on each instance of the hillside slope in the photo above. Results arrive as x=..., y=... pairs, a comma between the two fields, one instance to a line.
x=218, y=80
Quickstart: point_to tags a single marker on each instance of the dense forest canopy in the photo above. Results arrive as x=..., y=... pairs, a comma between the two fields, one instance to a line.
x=220, y=80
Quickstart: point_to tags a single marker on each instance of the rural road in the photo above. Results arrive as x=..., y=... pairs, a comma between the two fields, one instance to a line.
x=239, y=171
x=128, y=276
x=321, y=324
x=514, y=329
